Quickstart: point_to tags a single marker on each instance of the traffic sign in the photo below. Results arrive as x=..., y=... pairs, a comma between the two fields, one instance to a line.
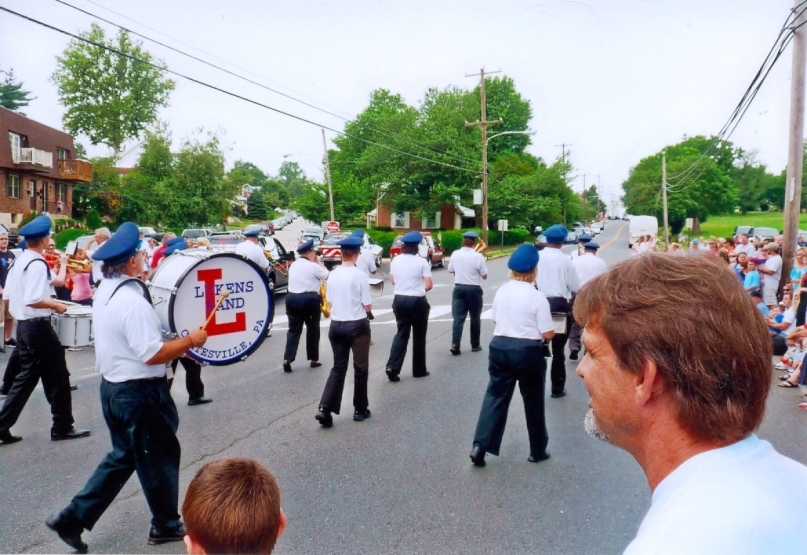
x=332, y=227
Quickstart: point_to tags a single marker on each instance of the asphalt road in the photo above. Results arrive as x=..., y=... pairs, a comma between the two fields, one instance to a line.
x=400, y=482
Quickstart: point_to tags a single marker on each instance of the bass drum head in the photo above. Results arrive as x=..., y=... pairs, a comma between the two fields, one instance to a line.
x=240, y=324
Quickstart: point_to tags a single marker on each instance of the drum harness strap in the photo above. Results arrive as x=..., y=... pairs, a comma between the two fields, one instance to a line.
x=140, y=284
x=36, y=260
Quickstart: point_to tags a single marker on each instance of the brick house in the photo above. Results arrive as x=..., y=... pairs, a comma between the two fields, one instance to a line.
x=38, y=168
x=449, y=217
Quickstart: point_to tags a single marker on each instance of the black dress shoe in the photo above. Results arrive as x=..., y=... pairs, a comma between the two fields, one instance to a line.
x=573, y=354
x=478, y=456
x=559, y=394
x=72, y=433
x=360, y=415
x=476, y=349
x=159, y=536
x=69, y=528
x=315, y=364
x=421, y=375
x=11, y=341
x=455, y=350
x=287, y=366
x=393, y=377
x=199, y=401
x=6, y=438
x=324, y=417
x=542, y=457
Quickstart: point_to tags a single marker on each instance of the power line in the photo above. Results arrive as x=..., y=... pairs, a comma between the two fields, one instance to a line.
x=234, y=95
x=413, y=142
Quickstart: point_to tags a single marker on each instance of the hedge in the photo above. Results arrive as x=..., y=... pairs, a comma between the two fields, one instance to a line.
x=452, y=240
x=67, y=235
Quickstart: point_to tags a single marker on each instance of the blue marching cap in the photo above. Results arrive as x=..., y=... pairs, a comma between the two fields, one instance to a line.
x=37, y=228
x=591, y=246
x=305, y=247
x=585, y=238
x=252, y=232
x=471, y=235
x=174, y=241
x=178, y=246
x=556, y=233
x=119, y=248
x=358, y=233
x=524, y=259
x=412, y=238
x=351, y=244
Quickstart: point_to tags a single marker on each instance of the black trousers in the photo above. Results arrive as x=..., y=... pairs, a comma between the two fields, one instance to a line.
x=193, y=376
x=466, y=299
x=41, y=355
x=513, y=360
x=303, y=309
x=412, y=316
x=143, y=422
x=12, y=369
x=575, y=330
x=558, y=369
x=346, y=337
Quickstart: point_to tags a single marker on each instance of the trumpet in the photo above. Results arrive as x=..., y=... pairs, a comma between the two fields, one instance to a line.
x=323, y=300
x=78, y=265
x=482, y=248
x=275, y=264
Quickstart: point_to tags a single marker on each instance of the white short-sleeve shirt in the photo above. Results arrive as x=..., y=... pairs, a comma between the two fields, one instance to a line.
x=127, y=333
x=589, y=266
x=251, y=251
x=26, y=287
x=348, y=292
x=521, y=311
x=305, y=276
x=409, y=271
x=468, y=267
x=556, y=274
x=728, y=500
x=366, y=262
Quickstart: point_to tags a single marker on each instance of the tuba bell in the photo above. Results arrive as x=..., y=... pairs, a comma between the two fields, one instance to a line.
x=482, y=248
x=323, y=300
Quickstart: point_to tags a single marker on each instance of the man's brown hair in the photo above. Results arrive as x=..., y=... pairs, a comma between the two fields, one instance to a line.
x=233, y=506
x=678, y=311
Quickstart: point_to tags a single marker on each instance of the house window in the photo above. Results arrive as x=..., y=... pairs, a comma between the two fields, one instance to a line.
x=400, y=219
x=13, y=188
x=62, y=154
x=61, y=192
x=32, y=188
x=16, y=146
x=432, y=222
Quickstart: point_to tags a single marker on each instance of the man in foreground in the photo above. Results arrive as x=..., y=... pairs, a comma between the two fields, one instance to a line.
x=685, y=403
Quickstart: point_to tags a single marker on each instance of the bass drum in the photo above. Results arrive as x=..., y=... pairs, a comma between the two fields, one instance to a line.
x=185, y=288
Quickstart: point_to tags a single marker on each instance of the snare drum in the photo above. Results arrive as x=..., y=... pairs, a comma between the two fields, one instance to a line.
x=185, y=288
x=74, y=327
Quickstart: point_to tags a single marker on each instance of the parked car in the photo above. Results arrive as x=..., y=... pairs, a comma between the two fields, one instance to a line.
x=429, y=249
x=194, y=234
x=279, y=224
x=572, y=238
x=764, y=232
x=267, y=228
x=225, y=241
x=742, y=230
x=331, y=253
x=279, y=261
x=314, y=231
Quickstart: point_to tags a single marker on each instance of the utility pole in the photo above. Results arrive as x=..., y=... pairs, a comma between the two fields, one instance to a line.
x=795, y=152
x=483, y=126
x=563, y=158
x=328, y=175
x=664, y=193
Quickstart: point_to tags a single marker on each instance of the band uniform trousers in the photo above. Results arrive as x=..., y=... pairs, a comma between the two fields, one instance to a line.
x=411, y=315
x=143, y=421
x=575, y=331
x=559, y=305
x=513, y=360
x=41, y=355
x=303, y=309
x=12, y=369
x=193, y=376
x=344, y=337
x=466, y=300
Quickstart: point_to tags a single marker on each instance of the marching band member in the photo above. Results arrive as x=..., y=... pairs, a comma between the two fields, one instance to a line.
x=523, y=321
x=169, y=239
x=41, y=355
x=412, y=277
x=469, y=269
x=251, y=250
x=349, y=297
x=588, y=266
x=142, y=418
x=303, y=305
x=366, y=262
x=557, y=279
x=581, y=245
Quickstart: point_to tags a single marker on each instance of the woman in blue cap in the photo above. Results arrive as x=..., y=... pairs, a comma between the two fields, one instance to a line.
x=523, y=320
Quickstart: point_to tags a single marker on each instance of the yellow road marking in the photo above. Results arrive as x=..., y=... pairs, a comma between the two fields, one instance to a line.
x=618, y=231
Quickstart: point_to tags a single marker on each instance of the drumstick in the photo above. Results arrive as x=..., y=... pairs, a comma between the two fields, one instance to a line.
x=224, y=295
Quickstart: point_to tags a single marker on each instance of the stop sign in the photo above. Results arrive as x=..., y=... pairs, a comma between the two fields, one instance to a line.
x=332, y=227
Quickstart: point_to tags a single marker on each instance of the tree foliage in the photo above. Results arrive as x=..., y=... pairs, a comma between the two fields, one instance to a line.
x=109, y=97
x=12, y=95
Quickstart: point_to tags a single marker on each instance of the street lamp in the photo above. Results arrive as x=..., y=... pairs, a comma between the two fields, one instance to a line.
x=485, y=177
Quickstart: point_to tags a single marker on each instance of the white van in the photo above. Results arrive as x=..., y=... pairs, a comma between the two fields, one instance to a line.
x=640, y=226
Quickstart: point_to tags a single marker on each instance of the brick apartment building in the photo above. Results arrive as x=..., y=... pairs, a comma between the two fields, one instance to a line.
x=38, y=168
x=449, y=217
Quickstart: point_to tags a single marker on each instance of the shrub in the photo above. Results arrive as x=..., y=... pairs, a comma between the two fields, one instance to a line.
x=28, y=218
x=93, y=220
x=383, y=238
x=65, y=236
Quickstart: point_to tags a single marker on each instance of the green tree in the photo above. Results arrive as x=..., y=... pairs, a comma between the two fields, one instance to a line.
x=313, y=203
x=109, y=97
x=12, y=95
x=93, y=220
x=256, y=207
x=103, y=194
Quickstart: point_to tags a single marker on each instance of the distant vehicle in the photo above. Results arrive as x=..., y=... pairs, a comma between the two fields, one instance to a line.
x=641, y=226
x=431, y=250
x=314, y=230
x=279, y=261
x=742, y=230
x=147, y=230
x=225, y=242
x=194, y=234
x=598, y=227
x=764, y=232
x=330, y=250
x=279, y=224
x=265, y=228
x=577, y=227
x=538, y=230
x=572, y=238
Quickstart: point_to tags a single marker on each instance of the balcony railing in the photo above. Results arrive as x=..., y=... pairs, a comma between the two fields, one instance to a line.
x=32, y=156
x=76, y=170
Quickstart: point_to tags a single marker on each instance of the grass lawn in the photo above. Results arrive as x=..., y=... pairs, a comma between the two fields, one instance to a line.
x=723, y=226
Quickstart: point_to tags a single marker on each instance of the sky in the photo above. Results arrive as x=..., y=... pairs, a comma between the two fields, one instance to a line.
x=614, y=80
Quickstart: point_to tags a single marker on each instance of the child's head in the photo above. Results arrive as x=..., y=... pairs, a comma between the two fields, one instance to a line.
x=752, y=265
x=232, y=506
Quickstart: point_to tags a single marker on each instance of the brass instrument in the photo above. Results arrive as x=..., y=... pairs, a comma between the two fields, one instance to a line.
x=323, y=300
x=78, y=265
x=482, y=248
x=275, y=264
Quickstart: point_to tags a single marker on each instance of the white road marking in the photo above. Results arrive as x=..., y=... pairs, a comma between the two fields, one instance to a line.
x=434, y=316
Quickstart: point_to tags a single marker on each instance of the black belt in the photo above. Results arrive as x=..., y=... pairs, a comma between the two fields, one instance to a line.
x=39, y=319
x=137, y=380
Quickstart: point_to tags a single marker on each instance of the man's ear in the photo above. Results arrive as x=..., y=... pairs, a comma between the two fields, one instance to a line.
x=648, y=383
x=282, y=527
x=192, y=547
